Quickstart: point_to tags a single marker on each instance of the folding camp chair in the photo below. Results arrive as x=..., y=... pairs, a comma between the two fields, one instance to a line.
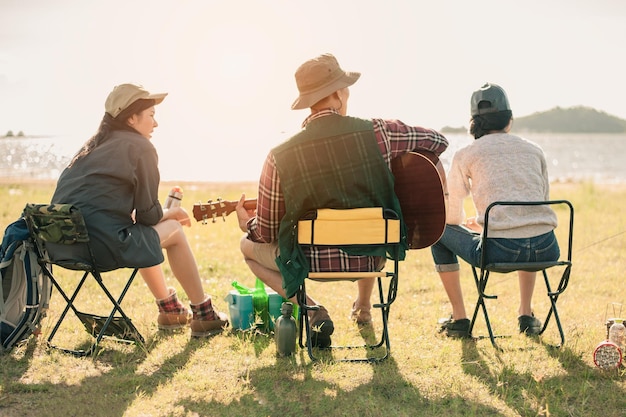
x=564, y=264
x=61, y=239
x=360, y=227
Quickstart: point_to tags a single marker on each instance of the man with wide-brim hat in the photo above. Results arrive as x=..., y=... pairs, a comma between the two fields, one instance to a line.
x=316, y=168
x=319, y=78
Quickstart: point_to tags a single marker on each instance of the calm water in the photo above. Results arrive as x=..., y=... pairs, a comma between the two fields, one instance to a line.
x=594, y=157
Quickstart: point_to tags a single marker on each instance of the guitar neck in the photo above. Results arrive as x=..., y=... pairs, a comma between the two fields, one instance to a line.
x=249, y=204
x=219, y=208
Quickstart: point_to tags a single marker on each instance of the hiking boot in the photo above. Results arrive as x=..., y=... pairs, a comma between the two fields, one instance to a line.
x=171, y=321
x=360, y=316
x=204, y=328
x=529, y=325
x=206, y=320
x=172, y=313
x=458, y=329
x=321, y=327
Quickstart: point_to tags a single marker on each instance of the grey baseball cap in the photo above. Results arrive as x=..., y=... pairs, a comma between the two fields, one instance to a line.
x=494, y=95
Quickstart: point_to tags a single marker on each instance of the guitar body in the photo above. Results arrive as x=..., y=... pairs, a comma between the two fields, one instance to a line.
x=420, y=187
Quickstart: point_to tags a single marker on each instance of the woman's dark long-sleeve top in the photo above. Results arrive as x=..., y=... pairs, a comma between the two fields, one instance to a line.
x=115, y=178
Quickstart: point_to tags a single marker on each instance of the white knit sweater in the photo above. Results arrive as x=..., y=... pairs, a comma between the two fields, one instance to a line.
x=501, y=167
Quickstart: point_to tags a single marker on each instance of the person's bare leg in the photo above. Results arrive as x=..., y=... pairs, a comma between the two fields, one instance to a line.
x=270, y=277
x=526, y=290
x=181, y=260
x=363, y=300
x=362, y=306
x=321, y=326
x=155, y=280
x=451, y=281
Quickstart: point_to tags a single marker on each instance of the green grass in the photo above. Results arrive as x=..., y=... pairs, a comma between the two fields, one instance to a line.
x=238, y=374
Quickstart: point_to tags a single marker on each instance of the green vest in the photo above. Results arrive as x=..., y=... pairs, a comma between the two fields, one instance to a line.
x=334, y=162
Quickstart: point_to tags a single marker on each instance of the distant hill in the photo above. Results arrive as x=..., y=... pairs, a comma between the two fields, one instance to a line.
x=577, y=119
x=571, y=120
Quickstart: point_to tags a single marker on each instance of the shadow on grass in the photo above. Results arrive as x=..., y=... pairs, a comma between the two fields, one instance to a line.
x=289, y=389
x=573, y=392
x=106, y=394
x=12, y=368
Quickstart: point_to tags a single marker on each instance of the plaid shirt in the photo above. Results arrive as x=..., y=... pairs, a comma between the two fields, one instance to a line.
x=394, y=138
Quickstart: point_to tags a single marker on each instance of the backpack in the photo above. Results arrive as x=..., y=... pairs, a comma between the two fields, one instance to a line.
x=25, y=291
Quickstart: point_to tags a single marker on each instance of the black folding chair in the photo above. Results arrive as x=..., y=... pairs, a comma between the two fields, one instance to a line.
x=481, y=273
x=60, y=236
x=364, y=227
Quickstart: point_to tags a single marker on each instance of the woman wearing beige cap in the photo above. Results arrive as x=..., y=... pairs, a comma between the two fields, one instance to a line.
x=114, y=180
x=297, y=177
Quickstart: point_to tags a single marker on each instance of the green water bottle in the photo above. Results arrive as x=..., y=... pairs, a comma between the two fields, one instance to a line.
x=285, y=331
x=260, y=302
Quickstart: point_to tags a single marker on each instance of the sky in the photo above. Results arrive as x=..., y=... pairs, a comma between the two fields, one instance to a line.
x=228, y=66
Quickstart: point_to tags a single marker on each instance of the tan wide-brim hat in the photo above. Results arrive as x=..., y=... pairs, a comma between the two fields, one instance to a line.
x=124, y=95
x=318, y=78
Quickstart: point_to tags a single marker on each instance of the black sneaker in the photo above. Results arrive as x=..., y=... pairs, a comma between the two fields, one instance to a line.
x=321, y=327
x=458, y=329
x=529, y=325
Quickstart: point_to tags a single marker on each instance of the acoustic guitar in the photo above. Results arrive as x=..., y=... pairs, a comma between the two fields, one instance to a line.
x=419, y=185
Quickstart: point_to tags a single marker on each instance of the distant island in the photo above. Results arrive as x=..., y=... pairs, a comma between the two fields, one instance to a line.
x=578, y=119
x=10, y=134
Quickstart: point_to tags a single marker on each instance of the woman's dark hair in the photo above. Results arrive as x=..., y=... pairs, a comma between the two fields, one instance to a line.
x=485, y=123
x=110, y=124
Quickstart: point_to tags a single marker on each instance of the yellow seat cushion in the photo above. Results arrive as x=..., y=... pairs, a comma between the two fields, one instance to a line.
x=360, y=226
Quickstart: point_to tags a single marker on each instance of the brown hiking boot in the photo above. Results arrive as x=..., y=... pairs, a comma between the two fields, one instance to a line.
x=206, y=320
x=172, y=313
x=204, y=328
x=171, y=321
x=321, y=327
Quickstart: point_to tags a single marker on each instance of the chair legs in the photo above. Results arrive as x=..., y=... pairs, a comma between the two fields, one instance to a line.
x=116, y=325
x=305, y=330
x=481, y=283
x=554, y=295
x=481, y=280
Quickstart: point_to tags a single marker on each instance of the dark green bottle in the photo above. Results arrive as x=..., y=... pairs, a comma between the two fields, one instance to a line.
x=285, y=331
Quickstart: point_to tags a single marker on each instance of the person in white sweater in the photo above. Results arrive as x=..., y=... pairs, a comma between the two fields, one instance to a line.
x=497, y=166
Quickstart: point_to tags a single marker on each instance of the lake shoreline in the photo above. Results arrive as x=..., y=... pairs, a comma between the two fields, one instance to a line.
x=247, y=185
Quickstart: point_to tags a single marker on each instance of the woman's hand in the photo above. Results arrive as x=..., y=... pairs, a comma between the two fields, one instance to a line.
x=472, y=224
x=177, y=213
x=243, y=215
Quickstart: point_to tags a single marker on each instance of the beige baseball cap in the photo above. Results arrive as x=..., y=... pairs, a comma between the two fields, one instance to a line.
x=320, y=77
x=124, y=95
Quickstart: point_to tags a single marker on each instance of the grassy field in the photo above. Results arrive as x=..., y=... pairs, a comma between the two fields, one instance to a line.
x=238, y=374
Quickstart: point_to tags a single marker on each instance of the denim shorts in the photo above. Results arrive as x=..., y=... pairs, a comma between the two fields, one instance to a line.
x=461, y=242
